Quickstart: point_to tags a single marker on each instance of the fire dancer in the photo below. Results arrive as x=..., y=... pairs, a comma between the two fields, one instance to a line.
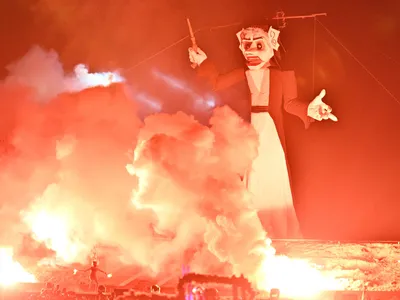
x=93, y=274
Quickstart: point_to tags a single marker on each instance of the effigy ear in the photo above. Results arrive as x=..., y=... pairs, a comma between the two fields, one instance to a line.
x=273, y=35
x=239, y=34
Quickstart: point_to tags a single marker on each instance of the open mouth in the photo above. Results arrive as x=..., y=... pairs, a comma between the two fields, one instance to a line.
x=253, y=60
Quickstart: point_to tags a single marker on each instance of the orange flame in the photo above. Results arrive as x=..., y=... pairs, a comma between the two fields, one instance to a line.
x=12, y=272
x=295, y=278
x=54, y=229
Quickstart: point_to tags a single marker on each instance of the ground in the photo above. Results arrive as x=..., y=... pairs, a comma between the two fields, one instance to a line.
x=376, y=264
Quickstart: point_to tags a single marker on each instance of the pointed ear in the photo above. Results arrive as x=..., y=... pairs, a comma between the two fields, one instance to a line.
x=239, y=35
x=273, y=36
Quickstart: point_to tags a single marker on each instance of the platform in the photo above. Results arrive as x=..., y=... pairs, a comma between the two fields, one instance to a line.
x=373, y=263
x=331, y=295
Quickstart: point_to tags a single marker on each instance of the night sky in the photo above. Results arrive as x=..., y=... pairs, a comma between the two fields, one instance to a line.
x=346, y=174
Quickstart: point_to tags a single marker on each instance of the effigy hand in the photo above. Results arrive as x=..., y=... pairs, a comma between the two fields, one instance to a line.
x=197, y=56
x=319, y=110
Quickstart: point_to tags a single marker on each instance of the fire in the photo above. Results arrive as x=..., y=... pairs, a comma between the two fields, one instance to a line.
x=295, y=278
x=54, y=230
x=12, y=272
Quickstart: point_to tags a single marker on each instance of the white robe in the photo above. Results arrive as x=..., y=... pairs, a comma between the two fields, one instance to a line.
x=268, y=179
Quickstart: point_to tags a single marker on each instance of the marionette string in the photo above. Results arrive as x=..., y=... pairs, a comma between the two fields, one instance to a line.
x=314, y=53
x=359, y=62
x=178, y=42
x=157, y=53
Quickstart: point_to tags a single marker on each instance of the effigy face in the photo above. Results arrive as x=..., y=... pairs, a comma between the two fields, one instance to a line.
x=257, y=45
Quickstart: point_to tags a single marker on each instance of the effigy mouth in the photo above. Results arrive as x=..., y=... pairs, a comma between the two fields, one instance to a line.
x=253, y=60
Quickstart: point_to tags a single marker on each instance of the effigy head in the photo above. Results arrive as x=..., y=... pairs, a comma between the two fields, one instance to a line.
x=258, y=45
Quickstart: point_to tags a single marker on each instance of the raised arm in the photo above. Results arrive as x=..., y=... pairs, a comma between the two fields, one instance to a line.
x=207, y=70
x=291, y=103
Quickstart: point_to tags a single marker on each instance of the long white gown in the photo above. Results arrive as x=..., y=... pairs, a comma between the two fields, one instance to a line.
x=268, y=179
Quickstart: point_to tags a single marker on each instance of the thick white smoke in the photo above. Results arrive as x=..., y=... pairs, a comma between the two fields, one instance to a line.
x=43, y=72
x=81, y=170
x=189, y=175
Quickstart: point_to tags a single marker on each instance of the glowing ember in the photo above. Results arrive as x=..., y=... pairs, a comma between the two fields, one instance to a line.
x=12, y=272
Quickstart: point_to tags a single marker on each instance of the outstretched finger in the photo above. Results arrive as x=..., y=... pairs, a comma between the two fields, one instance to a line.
x=333, y=117
x=322, y=94
x=318, y=99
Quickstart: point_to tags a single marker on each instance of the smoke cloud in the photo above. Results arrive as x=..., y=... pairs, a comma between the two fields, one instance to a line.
x=79, y=169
